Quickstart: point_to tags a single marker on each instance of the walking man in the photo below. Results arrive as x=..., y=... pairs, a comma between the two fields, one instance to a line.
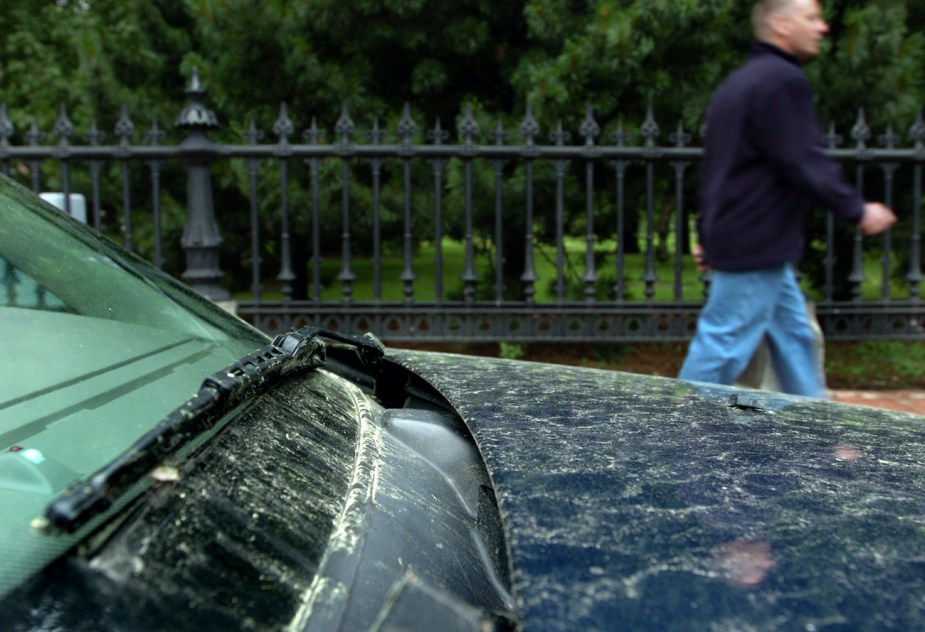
x=764, y=164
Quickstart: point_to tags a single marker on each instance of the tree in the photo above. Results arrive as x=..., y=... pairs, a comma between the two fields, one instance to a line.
x=557, y=56
x=66, y=52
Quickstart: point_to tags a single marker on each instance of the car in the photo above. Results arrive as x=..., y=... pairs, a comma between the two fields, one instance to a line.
x=165, y=466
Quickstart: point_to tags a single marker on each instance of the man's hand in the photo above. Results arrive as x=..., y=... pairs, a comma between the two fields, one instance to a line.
x=697, y=251
x=877, y=219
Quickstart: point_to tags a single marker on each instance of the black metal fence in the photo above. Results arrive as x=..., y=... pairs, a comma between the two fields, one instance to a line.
x=505, y=208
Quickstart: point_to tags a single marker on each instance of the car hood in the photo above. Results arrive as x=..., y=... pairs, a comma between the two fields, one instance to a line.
x=636, y=502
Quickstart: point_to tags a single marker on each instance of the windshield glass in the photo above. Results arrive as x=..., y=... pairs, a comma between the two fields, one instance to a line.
x=97, y=347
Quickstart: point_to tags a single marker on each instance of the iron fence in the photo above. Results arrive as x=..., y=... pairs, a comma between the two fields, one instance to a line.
x=510, y=204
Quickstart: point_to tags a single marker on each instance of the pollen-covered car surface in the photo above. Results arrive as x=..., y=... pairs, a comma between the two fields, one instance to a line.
x=234, y=543
x=633, y=502
x=315, y=509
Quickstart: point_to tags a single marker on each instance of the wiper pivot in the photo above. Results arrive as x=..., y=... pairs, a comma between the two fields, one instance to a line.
x=369, y=348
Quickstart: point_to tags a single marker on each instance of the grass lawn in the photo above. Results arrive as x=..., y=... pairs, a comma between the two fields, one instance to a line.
x=424, y=268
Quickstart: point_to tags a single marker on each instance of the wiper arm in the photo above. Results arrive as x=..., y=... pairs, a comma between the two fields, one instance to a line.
x=221, y=392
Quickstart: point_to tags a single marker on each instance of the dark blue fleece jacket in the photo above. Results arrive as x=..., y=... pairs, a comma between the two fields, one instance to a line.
x=764, y=163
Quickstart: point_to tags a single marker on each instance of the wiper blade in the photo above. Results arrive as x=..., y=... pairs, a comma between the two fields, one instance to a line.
x=220, y=393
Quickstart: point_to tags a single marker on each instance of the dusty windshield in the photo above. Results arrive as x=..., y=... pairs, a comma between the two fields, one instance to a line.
x=97, y=347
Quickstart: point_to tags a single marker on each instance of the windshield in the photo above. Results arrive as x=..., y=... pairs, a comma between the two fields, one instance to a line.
x=97, y=347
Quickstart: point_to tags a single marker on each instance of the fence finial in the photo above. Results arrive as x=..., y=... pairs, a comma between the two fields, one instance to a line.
x=283, y=127
x=6, y=126
x=196, y=115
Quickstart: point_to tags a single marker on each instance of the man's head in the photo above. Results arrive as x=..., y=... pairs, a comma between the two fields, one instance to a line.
x=794, y=26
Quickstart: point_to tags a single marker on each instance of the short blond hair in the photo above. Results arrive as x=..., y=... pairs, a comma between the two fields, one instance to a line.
x=763, y=10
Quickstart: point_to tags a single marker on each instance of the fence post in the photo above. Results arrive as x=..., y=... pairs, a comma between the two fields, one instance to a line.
x=201, y=238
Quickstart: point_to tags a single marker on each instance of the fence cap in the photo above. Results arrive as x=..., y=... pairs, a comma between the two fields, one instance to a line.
x=196, y=115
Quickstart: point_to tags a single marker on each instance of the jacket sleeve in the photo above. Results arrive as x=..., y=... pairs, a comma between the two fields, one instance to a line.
x=794, y=143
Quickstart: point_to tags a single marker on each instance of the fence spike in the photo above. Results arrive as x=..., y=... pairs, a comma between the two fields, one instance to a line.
x=589, y=128
x=649, y=128
x=529, y=128
x=860, y=132
x=313, y=134
x=889, y=138
x=6, y=126
x=94, y=136
x=833, y=138
x=438, y=134
x=680, y=138
x=345, y=126
x=155, y=135
x=560, y=136
x=468, y=127
x=63, y=128
x=252, y=135
x=283, y=127
x=406, y=126
x=917, y=130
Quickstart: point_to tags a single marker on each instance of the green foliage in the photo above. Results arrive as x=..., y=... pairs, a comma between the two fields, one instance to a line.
x=557, y=56
x=511, y=351
x=616, y=55
x=620, y=56
x=874, y=62
x=877, y=364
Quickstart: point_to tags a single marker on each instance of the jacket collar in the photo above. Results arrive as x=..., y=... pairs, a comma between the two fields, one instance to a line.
x=764, y=48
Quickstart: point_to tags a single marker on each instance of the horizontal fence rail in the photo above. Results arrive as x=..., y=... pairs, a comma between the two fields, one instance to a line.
x=522, y=242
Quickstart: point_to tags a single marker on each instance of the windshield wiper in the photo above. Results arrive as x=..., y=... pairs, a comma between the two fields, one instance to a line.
x=220, y=393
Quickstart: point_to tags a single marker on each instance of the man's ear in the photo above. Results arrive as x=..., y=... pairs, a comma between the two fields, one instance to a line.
x=779, y=26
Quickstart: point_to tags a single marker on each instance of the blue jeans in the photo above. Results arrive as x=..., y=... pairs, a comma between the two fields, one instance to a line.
x=742, y=309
